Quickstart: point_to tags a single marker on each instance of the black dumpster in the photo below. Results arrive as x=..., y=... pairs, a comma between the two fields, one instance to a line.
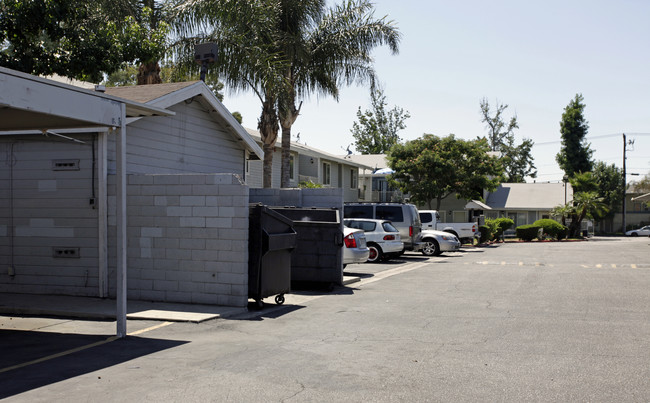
x=271, y=239
x=318, y=254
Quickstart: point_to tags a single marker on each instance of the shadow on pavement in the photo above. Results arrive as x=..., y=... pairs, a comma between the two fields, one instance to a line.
x=19, y=347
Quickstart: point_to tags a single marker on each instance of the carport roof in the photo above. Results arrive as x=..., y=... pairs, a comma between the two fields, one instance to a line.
x=32, y=103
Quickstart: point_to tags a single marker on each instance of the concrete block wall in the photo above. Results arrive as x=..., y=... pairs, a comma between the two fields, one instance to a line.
x=323, y=197
x=187, y=239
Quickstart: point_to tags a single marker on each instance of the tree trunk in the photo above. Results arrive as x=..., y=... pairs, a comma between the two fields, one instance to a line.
x=149, y=73
x=288, y=114
x=268, y=127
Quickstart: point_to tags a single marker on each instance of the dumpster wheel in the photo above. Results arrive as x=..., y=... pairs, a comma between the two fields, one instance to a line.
x=279, y=299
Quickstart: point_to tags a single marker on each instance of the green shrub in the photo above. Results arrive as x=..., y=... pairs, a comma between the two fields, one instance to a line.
x=552, y=228
x=486, y=233
x=527, y=232
x=309, y=185
x=501, y=225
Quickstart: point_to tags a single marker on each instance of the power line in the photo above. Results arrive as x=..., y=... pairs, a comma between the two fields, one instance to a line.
x=595, y=138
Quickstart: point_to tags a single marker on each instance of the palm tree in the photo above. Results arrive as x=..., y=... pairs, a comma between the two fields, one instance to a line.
x=586, y=205
x=325, y=50
x=283, y=50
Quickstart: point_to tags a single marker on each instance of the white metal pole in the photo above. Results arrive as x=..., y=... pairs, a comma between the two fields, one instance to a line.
x=102, y=212
x=121, y=226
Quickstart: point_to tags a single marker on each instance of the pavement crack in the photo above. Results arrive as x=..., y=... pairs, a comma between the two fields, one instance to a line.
x=302, y=389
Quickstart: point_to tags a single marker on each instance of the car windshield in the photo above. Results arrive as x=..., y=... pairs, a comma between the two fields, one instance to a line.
x=366, y=226
x=388, y=227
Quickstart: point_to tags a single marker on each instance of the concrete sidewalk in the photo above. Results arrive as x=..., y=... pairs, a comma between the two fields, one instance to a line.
x=100, y=308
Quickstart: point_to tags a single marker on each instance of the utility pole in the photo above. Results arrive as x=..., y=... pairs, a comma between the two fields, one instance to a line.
x=625, y=144
x=624, y=182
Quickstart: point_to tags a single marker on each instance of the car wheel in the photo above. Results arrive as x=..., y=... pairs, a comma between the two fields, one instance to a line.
x=376, y=254
x=431, y=248
x=634, y=234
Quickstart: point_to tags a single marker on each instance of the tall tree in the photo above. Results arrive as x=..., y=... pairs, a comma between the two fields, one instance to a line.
x=575, y=154
x=376, y=130
x=517, y=159
x=431, y=168
x=610, y=185
x=246, y=38
x=75, y=38
x=285, y=50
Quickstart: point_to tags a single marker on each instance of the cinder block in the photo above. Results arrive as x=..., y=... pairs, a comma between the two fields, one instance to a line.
x=218, y=222
x=166, y=243
x=192, y=179
x=218, y=244
x=206, y=190
x=151, y=232
x=192, y=201
x=152, y=295
x=226, y=212
x=203, y=298
x=186, y=266
x=218, y=288
x=205, y=212
x=166, y=179
x=153, y=190
x=206, y=233
x=177, y=232
x=229, y=256
x=231, y=278
x=188, y=286
x=203, y=277
x=174, y=211
x=139, y=179
x=197, y=222
x=165, y=285
x=189, y=243
x=179, y=254
x=205, y=255
x=153, y=274
x=178, y=190
x=232, y=190
x=234, y=234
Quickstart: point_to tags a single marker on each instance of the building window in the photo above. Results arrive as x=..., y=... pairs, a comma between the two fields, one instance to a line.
x=327, y=174
x=353, y=179
x=291, y=167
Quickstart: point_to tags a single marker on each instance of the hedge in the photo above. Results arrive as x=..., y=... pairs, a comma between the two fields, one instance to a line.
x=552, y=228
x=527, y=232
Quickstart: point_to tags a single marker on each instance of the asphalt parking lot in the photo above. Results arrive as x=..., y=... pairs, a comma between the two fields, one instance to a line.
x=516, y=322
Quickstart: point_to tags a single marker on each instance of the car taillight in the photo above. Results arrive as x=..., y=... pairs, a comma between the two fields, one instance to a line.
x=410, y=231
x=473, y=228
x=350, y=242
x=389, y=237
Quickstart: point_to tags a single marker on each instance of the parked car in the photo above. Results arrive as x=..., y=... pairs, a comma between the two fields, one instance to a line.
x=463, y=230
x=643, y=231
x=403, y=216
x=436, y=242
x=355, y=249
x=382, y=238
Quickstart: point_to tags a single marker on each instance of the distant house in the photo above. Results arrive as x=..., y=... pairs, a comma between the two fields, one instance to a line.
x=373, y=182
x=186, y=206
x=526, y=203
x=309, y=164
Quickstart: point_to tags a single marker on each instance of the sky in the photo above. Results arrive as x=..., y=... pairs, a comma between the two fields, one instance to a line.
x=533, y=56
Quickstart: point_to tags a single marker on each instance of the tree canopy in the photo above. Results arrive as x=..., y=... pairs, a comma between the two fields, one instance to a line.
x=76, y=38
x=432, y=168
x=517, y=159
x=286, y=50
x=575, y=154
x=376, y=130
